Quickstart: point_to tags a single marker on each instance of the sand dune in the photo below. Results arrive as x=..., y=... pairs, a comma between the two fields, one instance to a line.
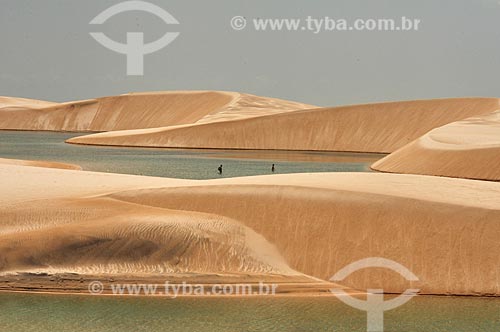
x=290, y=227
x=103, y=236
x=445, y=230
x=230, y=120
x=48, y=223
x=450, y=243
x=138, y=110
x=362, y=128
x=466, y=149
x=38, y=163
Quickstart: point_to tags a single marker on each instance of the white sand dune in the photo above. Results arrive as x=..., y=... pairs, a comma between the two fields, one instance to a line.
x=230, y=120
x=138, y=110
x=381, y=127
x=48, y=223
x=466, y=149
x=103, y=236
x=445, y=230
x=322, y=222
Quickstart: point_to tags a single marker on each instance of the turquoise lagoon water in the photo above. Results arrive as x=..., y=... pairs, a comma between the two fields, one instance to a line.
x=40, y=313
x=175, y=163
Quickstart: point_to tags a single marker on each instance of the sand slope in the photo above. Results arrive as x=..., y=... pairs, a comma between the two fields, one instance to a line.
x=466, y=149
x=102, y=236
x=138, y=110
x=320, y=223
x=445, y=230
x=50, y=222
x=363, y=128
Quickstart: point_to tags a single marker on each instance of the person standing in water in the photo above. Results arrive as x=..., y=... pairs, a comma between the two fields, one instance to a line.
x=273, y=169
x=220, y=170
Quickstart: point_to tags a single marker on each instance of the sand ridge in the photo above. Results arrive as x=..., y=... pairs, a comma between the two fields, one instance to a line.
x=317, y=223
x=452, y=248
x=231, y=120
x=104, y=236
x=465, y=149
x=138, y=110
x=382, y=127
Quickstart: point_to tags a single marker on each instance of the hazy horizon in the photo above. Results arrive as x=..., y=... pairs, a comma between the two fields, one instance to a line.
x=47, y=52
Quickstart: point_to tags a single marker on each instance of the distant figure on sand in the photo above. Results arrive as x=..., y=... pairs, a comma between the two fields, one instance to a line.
x=220, y=169
x=273, y=169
